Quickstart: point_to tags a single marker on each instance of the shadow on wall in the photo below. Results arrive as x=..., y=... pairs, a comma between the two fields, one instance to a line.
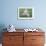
x=2, y=26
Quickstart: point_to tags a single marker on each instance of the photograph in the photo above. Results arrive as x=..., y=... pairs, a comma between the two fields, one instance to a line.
x=25, y=13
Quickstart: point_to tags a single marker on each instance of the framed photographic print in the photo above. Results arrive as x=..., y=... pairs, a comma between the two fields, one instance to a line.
x=25, y=13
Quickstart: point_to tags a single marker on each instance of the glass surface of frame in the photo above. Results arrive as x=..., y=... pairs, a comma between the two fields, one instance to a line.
x=25, y=13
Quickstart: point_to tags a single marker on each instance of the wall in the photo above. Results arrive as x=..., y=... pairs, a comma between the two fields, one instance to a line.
x=9, y=13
